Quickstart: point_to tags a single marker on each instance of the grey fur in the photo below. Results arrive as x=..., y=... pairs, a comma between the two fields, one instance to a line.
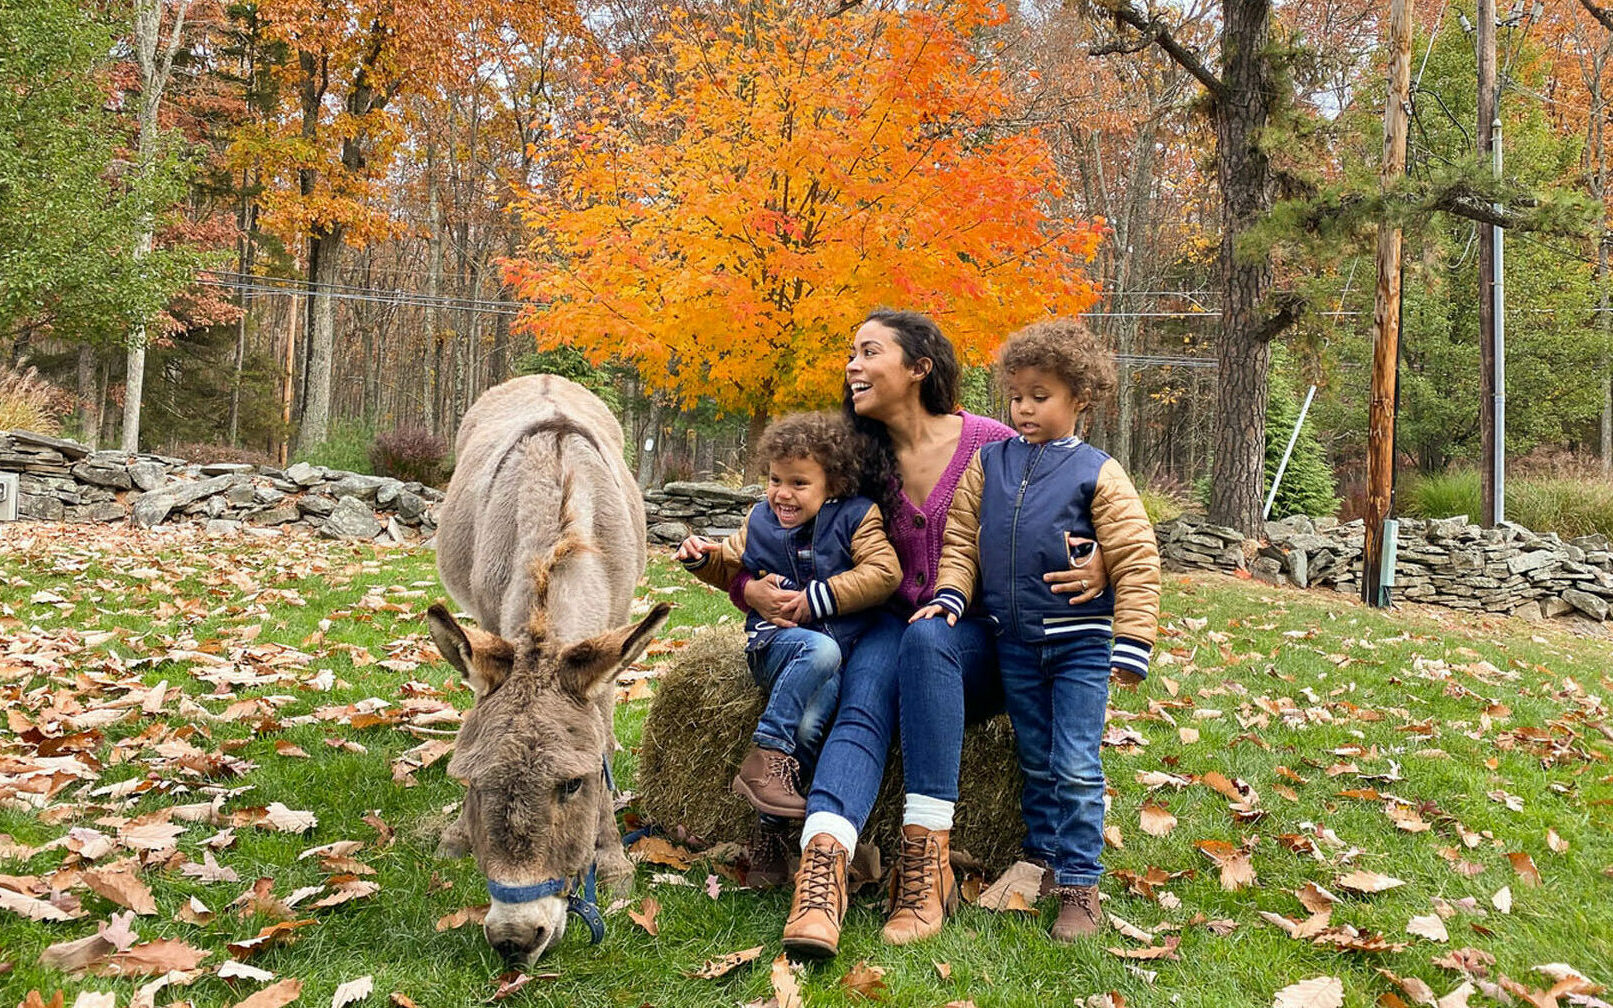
x=541, y=538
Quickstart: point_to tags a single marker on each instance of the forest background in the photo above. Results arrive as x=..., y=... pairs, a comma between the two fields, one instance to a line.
x=308, y=225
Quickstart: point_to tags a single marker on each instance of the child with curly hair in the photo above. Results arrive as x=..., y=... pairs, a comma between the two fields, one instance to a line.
x=813, y=535
x=1030, y=503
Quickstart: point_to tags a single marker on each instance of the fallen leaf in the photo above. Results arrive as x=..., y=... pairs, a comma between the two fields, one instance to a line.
x=1524, y=865
x=1367, y=882
x=1317, y=992
x=1167, y=950
x=1472, y=961
x=1555, y=842
x=1430, y=927
x=463, y=916
x=713, y=886
x=78, y=954
x=786, y=990
x=865, y=981
x=943, y=970
x=209, y=870
x=274, y=995
x=1314, y=898
x=1457, y=998
x=33, y=909
x=352, y=990
x=645, y=915
x=1502, y=900
x=658, y=850
x=152, y=958
x=1236, y=869
x=1156, y=820
x=230, y=970
x=274, y=934
x=509, y=983
x=95, y=999
x=122, y=888
x=725, y=965
x=1416, y=989
x=1022, y=879
x=348, y=888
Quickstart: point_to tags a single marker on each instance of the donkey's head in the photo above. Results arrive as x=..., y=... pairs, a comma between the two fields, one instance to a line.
x=530, y=753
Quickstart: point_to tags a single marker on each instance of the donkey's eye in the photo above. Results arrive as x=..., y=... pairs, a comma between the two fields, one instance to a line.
x=570, y=787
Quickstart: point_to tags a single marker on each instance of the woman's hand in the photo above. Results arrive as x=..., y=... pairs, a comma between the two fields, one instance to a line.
x=1086, y=579
x=775, y=604
x=931, y=611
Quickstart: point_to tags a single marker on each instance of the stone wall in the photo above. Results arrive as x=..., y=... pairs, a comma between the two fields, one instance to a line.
x=66, y=481
x=1444, y=561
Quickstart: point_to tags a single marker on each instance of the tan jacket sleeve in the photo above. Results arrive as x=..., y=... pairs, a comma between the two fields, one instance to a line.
x=875, y=573
x=1131, y=555
x=719, y=569
x=960, y=542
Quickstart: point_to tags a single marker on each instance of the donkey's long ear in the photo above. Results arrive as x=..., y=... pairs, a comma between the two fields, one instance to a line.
x=484, y=659
x=590, y=666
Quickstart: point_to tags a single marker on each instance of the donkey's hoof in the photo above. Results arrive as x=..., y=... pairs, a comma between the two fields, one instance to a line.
x=453, y=845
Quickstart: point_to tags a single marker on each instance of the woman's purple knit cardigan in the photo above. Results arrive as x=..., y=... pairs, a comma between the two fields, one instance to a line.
x=917, y=532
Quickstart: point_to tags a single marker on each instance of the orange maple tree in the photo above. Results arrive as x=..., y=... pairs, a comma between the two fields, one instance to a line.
x=733, y=210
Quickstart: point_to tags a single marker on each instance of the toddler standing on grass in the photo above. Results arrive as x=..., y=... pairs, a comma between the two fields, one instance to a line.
x=1023, y=503
x=828, y=546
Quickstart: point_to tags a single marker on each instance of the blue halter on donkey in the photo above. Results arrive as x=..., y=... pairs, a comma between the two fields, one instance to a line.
x=584, y=904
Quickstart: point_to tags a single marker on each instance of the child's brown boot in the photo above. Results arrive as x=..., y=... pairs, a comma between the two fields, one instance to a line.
x=1079, y=913
x=771, y=782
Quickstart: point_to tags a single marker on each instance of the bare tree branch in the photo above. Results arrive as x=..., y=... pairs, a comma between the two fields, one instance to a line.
x=1601, y=14
x=1155, y=31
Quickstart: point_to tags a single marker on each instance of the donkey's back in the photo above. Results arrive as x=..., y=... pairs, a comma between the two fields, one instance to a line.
x=539, y=473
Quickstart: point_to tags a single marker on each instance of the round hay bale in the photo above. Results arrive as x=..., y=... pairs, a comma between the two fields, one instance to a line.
x=699, y=728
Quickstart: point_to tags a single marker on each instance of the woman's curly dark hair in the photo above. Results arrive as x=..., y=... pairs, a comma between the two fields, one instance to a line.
x=1066, y=349
x=920, y=339
x=826, y=439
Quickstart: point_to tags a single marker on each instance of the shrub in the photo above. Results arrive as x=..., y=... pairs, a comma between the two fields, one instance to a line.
x=199, y=451
x=1161, y=506
x=1568, y=507
x=1308, y=486
x=409, y=453
x=28, y=402
x=345, y=448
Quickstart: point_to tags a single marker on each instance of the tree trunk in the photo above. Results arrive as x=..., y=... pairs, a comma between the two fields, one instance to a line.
x=650, y=447
x=753, y=439
x=155, y=63
x=89, y=403
x=314, y=427
x=1242, y=110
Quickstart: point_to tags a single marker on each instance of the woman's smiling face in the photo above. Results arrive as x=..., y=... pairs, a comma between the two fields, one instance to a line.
x=877, y=374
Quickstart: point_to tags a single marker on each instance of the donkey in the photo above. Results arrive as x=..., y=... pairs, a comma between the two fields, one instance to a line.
x=541, y=538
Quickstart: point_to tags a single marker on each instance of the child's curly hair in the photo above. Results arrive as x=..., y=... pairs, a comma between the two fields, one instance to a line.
x=825, y=438
x=1067, y=349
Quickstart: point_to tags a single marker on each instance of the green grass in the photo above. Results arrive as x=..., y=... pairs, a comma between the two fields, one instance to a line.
x=1362, y=678
x=1569, y=507
x=345, y=448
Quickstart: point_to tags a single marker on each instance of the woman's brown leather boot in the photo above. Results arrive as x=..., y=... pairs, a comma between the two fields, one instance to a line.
x=923, y=889
x=819, y=904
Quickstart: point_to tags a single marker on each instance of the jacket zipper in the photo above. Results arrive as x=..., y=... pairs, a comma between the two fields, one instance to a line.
x=1013, y=539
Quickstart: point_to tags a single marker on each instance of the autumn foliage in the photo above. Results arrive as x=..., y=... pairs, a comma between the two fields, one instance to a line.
x=745, y=194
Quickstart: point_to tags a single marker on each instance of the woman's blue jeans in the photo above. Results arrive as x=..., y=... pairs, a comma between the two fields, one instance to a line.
x=799, y=669
x=1056, y=692
x=925, y=679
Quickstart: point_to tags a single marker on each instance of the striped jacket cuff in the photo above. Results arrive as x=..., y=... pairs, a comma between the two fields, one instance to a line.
x=821, y=599
x=951, y=600
x=1131, y=654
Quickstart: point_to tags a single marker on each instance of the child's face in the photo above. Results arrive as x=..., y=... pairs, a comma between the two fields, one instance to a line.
x=796, y=490
x=1041, y=406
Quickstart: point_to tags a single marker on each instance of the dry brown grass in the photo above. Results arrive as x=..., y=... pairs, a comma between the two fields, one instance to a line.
x=29, y=402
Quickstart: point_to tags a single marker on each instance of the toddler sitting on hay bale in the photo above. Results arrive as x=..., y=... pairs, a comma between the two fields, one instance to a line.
x=699, y=729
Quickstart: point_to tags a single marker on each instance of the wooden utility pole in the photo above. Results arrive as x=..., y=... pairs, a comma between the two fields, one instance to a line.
x=1386, y=312
x=1486, y=32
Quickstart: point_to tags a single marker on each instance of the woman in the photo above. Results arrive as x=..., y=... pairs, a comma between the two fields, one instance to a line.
x=901, y=390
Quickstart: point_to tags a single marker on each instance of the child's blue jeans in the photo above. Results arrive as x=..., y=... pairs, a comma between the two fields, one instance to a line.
x=800, y=670
x=1056, y=693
